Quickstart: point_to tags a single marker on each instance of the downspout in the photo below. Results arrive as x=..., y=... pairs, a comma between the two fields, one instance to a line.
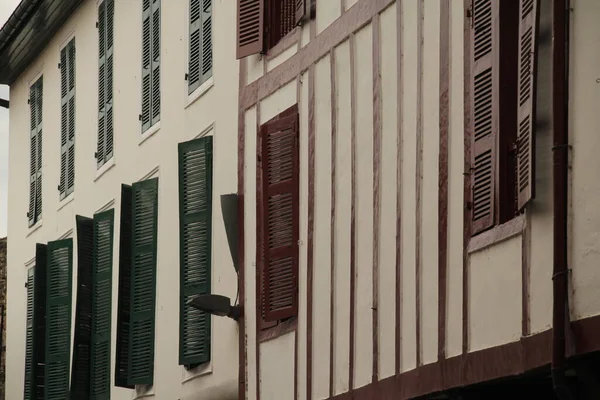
x=560, y=149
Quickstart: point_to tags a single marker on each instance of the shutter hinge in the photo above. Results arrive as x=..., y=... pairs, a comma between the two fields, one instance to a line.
x=469, y=205
x=96, y=155
x=96, y=24
x=187, y=76
x=59, y=189
x=27, y=215
x=58, y=65
x=26, y=284
x=28, y=101
x=140, y=117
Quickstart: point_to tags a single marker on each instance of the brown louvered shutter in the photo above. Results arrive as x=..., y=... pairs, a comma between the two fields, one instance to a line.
x=250, y=27
x=484, y=118
x=300, y=10
x=528, y=28
x=280, y=208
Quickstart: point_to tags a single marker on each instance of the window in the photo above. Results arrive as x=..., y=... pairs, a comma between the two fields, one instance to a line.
x=104, y=150
x=150, y=64
x=263, y=23
x=137, y=284
x=279, y=209
x=67, y=120
x=195, y=234
x=503, y=103
x=36, y=95
x=201, y=55
x=51, y=342
x=93, y=310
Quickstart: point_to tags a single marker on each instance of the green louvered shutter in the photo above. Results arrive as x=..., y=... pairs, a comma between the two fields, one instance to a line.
x=67, y=125
x=150, y=64
x=29, y=336
x=101, y=305
x=195, y=233
x=40, y=323
x=80, y=371
x=143, y=282
x=124, y=298
x=105, y=82
x=58, y=319
x=35, y=151
x=200, y=56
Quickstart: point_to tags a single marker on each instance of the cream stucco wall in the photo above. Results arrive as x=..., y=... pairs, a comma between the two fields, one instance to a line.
x=134, y=159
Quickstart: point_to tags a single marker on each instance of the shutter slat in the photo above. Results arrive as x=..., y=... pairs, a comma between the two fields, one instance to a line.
x=124, y=297
x=195, y=233
x=58, y=318
x=195, y=50
x=29, y=336
x=80, y=372
x=101, y=305
x=40, y=323
x=280, y=227
x=146, y=68
x=484, y=108
x=100, y=150
x=143, y=282
x=250, y=27
x=528, y=29
x=207, y=47
x=300, y=10
x=156, y=61
x=67, y=149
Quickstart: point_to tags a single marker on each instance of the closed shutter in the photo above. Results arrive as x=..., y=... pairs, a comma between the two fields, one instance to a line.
x=29, y=336
x=124, y=298
x=35, y=152
x=300, y=10
x=67, y=126
x=485, y=36
x=58, y=319
x=105, y=82
x=150, y=64
x=250, y=27
x=80, y=371
x=101, y=304
x=280, y=209
x=195, y=234
x=40, y=323
x=201, y=51
x=143, y=282
x=528, y=29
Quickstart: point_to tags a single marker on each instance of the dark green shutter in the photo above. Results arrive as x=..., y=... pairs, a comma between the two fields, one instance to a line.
x=40, y=323
x=67, y=123
x=80, y=371
x=124, y=298
x=150, y=63
x=200, y=56
x=58, y=319
x=101, y=305
x=35, y=151
x=143, y=282
x=195, y=233
x=29, y=336
x=105, y=82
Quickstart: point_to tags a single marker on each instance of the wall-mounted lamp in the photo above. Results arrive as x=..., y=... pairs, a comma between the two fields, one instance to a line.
x=217, y=305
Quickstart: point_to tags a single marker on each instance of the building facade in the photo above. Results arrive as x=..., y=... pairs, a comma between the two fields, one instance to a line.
x=416, y=199
x=113, y=93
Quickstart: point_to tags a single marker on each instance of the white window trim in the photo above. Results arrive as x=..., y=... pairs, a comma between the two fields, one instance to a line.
x=107, y=206
x=199, y=371
x=149, y=133
x=66, y=201
x=200, y=92
x=68, y=234
x=106, y=167
x=35, y=227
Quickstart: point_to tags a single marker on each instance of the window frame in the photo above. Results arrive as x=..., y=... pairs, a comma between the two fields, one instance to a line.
x=36, y=161
x=65, y=174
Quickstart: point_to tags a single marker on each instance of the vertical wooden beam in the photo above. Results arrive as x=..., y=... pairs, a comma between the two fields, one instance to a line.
x=332, y=60
x=419, y=175
x=352, y=209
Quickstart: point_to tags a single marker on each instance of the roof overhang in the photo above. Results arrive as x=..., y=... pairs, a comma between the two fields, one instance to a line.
x=28, y=31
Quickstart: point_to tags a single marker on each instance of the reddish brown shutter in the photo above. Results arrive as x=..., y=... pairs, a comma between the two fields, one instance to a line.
x=300, y=10
x=528, y=27
x=250, y=27
x=484, y=72
x=280, y=227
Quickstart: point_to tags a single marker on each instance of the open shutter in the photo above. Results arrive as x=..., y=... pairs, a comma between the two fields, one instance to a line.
x=110, y=16
x=58, y=318
x=101, y=304
x=300, y=10
x=71, y=136
x=280, y=209
x=155, y=61
x=195, y=234
x=64, y=121
x=143, y=282
x=38, y=182
x=250, y=27
x=40, y=323
x=29, y=336
x=124, y=298
x=146, y=65
x=484, y=108
x=528, y=29
x=32, y=153
x=80, y=371
x=100, y=151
